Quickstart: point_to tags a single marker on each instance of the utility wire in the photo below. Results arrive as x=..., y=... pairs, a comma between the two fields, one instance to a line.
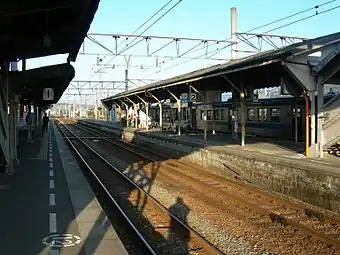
x=293, y=22
x=216, y=51
x=130, y=46
x=316, y=7
x=142, y=32
x=149, y=19
x=266, y=25
x=141, y=26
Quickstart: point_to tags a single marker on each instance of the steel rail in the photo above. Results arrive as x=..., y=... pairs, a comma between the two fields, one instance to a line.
x=140, y=236
x=206, y=245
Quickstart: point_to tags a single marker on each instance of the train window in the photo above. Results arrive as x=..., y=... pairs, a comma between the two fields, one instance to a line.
x=217, y=114
x=275, y=114
x=263, y=114
x=251, y=115
x=299, y=112
x=209, y=114
x=202, y=113
x=222, y=114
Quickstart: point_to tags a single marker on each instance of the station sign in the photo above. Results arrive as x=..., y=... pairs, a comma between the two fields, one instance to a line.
x=184, y=97
x=193, y=97
x=48, y=94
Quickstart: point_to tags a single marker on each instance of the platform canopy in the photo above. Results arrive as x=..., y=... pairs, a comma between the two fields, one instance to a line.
x=264, y=69
x=37, y=28
x=30, y=84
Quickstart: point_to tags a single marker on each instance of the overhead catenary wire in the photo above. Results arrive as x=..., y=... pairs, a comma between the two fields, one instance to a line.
x=165, y=5
x=295, y=21
x=316, y=7
x=144, y=30
x=216, y=51
x=149, y=19
x=265, y=25
x=130, y=46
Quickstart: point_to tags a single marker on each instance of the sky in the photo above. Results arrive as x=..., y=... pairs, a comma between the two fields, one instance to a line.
x=191, y=19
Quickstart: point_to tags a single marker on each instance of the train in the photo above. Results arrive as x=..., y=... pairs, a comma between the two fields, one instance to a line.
x=273, y=117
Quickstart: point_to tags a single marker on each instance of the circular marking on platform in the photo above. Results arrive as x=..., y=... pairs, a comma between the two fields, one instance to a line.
x=61, y=240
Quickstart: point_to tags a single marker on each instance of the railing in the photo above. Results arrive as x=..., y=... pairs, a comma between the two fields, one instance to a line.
x=331, y=125
x=331, y=132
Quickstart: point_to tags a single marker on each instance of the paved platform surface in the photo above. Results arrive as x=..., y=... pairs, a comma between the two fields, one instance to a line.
x=268, y=146
x=47, y=207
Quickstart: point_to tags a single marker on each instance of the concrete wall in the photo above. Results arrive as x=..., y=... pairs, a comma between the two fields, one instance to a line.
x=294, y=178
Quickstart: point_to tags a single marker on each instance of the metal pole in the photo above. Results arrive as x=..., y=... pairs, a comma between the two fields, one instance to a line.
x=205, y=115
x=179, y=116
x=160, y=115
x=243, y=118
x=233, y=19
x=307, y=124
x=296, y=120
x=126, y=80
x=147, y=116
x=96, y=106
x=320, y=134
x=127, y=61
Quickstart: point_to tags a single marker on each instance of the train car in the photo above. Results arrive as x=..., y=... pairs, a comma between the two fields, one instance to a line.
x=274, y=117
x=266, y=117
x=171, y=121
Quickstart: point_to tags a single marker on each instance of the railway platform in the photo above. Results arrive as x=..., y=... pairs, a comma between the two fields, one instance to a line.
x=47, y=206
x=221, y=141
x=278, y=166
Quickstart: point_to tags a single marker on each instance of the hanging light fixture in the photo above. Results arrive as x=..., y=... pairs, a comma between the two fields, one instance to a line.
x=47, y=38
x=47, y=41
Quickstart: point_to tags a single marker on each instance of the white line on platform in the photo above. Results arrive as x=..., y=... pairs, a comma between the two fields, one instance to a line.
x=52, y=199
x=51, y=173
x=51, y=164
x=320, y=162
x=53, y=223
x=51, y=184
x=54, y=252
x=266, y=152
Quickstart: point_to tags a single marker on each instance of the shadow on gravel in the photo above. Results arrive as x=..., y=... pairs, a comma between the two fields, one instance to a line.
x=176, y=232
x=167, y=237
x=143, y=179
x=176, y=238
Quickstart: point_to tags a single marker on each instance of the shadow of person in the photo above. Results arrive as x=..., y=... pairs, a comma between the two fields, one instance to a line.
x=178, y=236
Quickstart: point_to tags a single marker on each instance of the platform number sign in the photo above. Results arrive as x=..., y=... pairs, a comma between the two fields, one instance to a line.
x=48, y=94
x=193, y=97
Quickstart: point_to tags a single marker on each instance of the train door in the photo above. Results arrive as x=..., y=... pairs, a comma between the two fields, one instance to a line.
x=299, y=122
x=193, y=118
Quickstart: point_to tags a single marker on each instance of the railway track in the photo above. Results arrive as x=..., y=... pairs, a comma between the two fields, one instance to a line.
x=312, y=222
x=117, y=186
